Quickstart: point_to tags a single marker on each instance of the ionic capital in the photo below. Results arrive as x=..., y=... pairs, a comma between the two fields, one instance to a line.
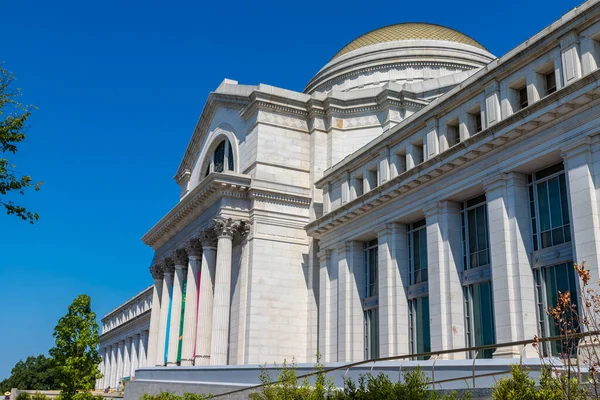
x=157, y=271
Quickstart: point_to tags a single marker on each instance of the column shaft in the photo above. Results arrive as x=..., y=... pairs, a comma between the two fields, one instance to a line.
x=175, y=323
x=513, y=290
x=113, y=366
x=205, y=306
x=445, y=288
x=164, y=315
x=135, y=343
x=191, y=309
x=127, y=357
x=143, y=350
x=119, y=375
x=155, y=314
x=221, y=306
x=350, y=313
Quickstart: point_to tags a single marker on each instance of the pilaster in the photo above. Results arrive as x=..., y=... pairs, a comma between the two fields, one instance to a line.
x=327, y=307
x=512, y=278
x=194, y=251
x=445, y=289
x=205, y=305
x=349, y=313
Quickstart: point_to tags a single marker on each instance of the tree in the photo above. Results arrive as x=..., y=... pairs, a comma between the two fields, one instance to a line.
x=13, y=116
x=36, y=373
x=76, y=350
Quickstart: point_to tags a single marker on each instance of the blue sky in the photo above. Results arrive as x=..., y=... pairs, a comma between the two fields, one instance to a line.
x=120, y=85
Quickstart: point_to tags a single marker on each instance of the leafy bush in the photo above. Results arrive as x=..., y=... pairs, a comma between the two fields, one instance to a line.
x=39, y=396
x=519, y=386
x=23, y=396
x=85, y=396
x=171, y=396
x=380, y=387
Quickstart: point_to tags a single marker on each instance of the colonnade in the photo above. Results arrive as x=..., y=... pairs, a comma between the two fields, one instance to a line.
x=200, y=272
x=122, y=358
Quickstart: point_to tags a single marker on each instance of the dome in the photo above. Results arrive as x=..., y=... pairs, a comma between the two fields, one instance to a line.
x=401, y=53
x=408, y=31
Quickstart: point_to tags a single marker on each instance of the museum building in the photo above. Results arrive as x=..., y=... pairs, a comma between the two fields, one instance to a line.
x=419, y=195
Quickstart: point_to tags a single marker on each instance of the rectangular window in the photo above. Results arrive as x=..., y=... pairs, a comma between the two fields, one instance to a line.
x=549, y=208
x=418, y=153
x=550, y=81
x=474, y=118
x=479, y=318
x=522, y=97
x=358, y=185
x=371, y=269
x=475, y=235
x=400, y=163
x=372, y=178
x=453, y=132
x=549, y=281
x=417, y=252
x=420, y=335
x=372, y=333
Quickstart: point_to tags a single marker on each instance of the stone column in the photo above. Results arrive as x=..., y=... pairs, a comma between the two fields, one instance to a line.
x=168, y=269
x=120, y=360
x=127, y=356
x=219, y=345
x=180, y=258
x=191, y=303
x=143, y=349
x=157, y=274
x=583, y=199
x=513, y=289
x=445, y=288
x=113, y=366
x=205, y=305
x=351, y=321
x=393, y=281
x=135, y=351
x=327, y=306
x=102, y=367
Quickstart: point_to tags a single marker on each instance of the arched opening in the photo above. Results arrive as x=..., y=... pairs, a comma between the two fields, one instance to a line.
x=221, y=159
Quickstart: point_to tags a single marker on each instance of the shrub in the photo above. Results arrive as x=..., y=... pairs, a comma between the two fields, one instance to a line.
x=39, y=396
x=23, y=396
x=171, y=396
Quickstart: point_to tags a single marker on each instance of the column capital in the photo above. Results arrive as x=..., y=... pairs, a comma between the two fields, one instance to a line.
x=324, y=255
x=228, y=227
x=194, y=247
x=157, y=271
x=169, y=266
x=208, y=238
x=576, y=148
x=180, y=258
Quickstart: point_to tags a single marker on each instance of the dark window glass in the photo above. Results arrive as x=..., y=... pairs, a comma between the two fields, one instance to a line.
x=522, y=93
x=219, y=157
x=550, y=83
x=422, y=327
x=478, y=125
x=230, y=158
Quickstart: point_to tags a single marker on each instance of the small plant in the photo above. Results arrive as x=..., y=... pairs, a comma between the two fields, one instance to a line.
x=520, y=386
x=23, y=396
x=171, y=396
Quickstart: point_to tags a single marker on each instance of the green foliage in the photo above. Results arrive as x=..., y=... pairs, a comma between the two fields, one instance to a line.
x=414, y=387
x=171, y=396
x=35, y=373
x=520, y=386
x=76, y=349
x=85, y=396
x=23, y=396
x=39, y=396
x=13, y=116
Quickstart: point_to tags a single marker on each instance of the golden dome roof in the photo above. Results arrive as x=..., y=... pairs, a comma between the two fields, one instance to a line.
x=408, y=31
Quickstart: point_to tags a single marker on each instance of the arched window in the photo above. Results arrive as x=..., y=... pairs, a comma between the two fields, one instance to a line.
x=221, y=159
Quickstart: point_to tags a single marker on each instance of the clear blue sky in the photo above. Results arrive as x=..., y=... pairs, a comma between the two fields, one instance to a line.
x=120, y=85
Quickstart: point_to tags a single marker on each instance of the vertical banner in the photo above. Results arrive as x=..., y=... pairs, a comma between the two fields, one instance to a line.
x=180, y=342
x=168, y=325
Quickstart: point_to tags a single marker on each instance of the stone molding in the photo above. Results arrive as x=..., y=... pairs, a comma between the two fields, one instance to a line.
x=466, y=152
x=224, y=185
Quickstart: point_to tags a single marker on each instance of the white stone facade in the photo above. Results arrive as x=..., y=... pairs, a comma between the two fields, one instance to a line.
x=124, y=340
x=396, y=215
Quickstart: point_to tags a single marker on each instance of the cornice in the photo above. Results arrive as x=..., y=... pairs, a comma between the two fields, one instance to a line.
x=127, y=303
x=141, y=319
x=225, y=185
x=201, y=130
x=538, y=45
x=492, y=138
x=277, y=196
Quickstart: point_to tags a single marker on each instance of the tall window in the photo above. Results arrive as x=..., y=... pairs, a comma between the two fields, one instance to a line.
x=550, y=220
x=553, y=253
x=417, y=244
x=420, y=335
x=371, y=301
x=477, y=285
x=221, y=159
